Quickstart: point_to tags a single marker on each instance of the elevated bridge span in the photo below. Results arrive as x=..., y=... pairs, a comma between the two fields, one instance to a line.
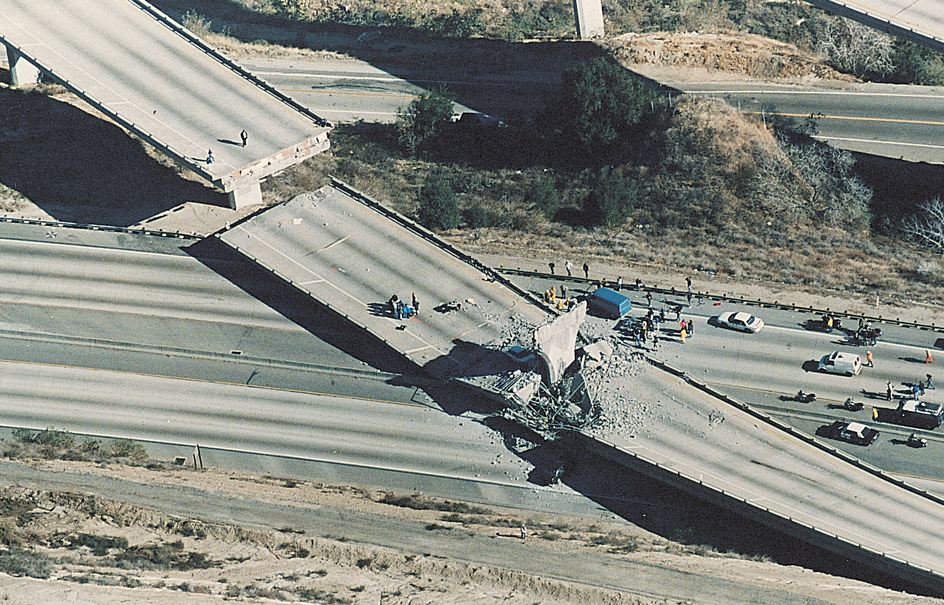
x=156, y=79
x=921, y=21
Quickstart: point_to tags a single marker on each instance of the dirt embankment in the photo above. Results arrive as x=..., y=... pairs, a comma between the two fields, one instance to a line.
x=66, y=546
x=740, y=54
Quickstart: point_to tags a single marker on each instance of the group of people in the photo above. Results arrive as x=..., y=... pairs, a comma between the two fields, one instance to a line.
x=402, y=310
x=866, y=334
x=917, y=388
x=560, y=302
x=569, y=267
x=651, y=326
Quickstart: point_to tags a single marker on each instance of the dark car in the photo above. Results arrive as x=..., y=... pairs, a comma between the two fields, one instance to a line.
x=479, y=120
x=850, y=432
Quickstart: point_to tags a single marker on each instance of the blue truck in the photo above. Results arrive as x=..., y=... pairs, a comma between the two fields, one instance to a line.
x=608, y=303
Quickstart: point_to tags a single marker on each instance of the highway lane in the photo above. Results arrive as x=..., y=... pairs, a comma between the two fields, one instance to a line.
x=397, y=435
x=894, y=121
x=159, y=84
x=734, y=452
x=350, y=90
x=131, y=305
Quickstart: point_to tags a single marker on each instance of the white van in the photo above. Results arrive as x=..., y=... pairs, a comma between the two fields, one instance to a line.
x=838, y=362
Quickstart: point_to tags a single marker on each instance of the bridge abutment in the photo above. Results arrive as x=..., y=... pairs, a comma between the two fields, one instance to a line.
x=22, y=72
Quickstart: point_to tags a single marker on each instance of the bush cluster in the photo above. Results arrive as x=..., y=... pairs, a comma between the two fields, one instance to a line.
x=52, y=443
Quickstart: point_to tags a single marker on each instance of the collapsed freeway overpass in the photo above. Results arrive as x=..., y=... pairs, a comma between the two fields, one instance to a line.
x=156, y=79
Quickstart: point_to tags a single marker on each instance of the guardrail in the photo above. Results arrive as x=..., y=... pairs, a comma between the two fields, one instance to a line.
x=104, y=228
x=705, y=295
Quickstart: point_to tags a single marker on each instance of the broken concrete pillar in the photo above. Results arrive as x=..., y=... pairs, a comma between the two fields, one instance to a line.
x=249, y=195
x=589, y=15
x=22, y=72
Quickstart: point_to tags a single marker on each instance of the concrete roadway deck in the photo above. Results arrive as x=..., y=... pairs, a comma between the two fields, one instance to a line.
x=159, y=81
x=353, y=259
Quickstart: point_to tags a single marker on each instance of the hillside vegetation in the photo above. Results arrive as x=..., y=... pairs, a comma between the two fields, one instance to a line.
x=690, y=185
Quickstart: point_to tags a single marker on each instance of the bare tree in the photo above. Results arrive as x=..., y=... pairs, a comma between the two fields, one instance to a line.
x=855, y=48
x=927, y=228
x=836, y=196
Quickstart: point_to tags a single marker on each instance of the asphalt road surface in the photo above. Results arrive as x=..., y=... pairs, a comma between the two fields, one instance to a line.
x=156, y=82
x=880, y=119
x=731, y=451
x=886, y=120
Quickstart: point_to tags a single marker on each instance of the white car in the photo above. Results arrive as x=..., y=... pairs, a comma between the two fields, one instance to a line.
x=738, y=320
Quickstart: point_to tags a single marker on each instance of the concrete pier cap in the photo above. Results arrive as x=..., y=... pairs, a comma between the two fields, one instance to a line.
x=22, y=72
x=245, y=196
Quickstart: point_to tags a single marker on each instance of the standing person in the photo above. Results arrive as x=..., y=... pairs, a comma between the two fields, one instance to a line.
x=690, y=326
x=524, y=532
x=619, y=284
x=393, y=305
x=416, y=304
x=551, y=265
x=688, y=282
x=569, y=266
x=655, y=342
x=209, y=159
x=586, y=271
x=682, y=335
x=649, y=299
x=563, y=290
x=244, y=136
x=930, y=384
x=888, y=390
x=868, y=358
x=638, y=283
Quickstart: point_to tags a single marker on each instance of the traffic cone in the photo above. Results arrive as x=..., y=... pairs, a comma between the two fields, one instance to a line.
x=927, y=356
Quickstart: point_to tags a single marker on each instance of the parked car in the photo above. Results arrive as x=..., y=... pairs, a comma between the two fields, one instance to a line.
x=838, y=362
x=740, y=321
x=478, y=120
x=851, y=432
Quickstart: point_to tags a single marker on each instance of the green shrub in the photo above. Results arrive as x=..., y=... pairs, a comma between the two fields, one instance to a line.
x=126, y=448
x=55, y=438
x=422, y=119
x=19, y=562
x=438, y=206
x=601, y=110
x=543, y=197
x=611, y=201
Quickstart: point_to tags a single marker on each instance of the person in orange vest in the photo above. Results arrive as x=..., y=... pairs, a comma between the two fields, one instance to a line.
x=927, y=356
x=868, y=358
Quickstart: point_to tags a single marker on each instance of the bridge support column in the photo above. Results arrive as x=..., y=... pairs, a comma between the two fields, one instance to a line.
x=250, y=195
x=22, y=72
x=589, y=15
